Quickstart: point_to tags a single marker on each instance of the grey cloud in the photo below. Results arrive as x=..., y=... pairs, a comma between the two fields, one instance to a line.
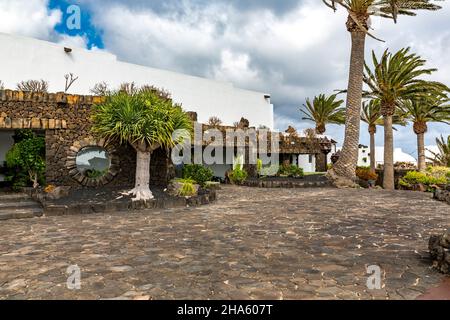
x=289, y=72
x=171, y=6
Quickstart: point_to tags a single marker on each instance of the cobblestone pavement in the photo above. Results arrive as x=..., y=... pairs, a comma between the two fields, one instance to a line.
x=251, y=244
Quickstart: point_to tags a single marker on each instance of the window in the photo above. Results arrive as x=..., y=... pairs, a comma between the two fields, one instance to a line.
x=93, y=162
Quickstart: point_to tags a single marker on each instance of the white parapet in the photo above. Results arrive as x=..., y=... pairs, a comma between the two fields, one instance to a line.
x=24, y=58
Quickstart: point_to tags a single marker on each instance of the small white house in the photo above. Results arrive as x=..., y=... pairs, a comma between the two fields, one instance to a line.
x=399, y=156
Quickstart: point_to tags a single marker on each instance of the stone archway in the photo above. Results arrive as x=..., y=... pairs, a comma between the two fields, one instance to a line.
x=80, y=177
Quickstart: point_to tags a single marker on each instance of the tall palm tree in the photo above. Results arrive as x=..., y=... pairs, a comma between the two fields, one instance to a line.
x=358, y=23
x=434, y=108
x=371, y=114
x=395, y=78
x=442, y=158
x=324, y=110
x=145, y=119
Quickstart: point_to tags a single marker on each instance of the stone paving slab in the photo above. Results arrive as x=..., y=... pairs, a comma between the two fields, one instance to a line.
x=251, y=244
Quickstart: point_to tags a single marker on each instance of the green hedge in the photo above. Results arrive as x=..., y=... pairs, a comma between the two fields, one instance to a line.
x=291, y=171
x=198, y=173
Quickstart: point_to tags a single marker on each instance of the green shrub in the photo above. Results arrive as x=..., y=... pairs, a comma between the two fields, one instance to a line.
x=198, y=173
x=187, y=190
x=366, y=174
x=26, y=161
x=183, y=188
x=238, y=162
x=95, y=174
x=269, y=171
x=439, y=172
x=259, y=166
x=291, y=171
x=413, y=178
x=23, y=134
x=238, y=176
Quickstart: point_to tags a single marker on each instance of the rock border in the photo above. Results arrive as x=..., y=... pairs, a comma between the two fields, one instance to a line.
x=76, y=175
x=120, y=206
x=442, y=195
x=439, y=247
x=288, y=184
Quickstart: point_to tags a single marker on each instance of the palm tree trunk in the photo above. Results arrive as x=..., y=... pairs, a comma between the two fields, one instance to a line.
x=372, y=152
x=421, y=149
x=141, y=190
x=346, y=165
x=388, y=180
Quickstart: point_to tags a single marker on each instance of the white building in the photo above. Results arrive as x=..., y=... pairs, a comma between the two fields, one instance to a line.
x=399, y=156
x=307, y=162
x=26, y=58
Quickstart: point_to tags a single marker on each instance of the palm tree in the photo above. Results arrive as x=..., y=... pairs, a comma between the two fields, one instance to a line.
x=324, y=110
x=358, y=24
x=371, y=114
x=145, y=119
x=433, y=108
x=443, y=157
x=395, y=79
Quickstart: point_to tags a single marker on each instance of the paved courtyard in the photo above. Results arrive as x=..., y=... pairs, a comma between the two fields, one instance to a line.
x=251, y=244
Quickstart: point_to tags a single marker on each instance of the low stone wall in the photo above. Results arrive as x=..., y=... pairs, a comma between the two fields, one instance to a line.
x=66, y=120
x=443, y=195
x=439, y=247
x=287, y=183
x=398, y=174
x=51, y=209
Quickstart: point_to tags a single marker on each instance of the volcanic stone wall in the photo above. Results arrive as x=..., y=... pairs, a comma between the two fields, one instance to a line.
x=66, y=122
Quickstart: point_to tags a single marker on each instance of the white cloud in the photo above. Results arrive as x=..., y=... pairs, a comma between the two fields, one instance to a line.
x=28, y=17
x=291, y=48
x=236, y=68
x=33, y=18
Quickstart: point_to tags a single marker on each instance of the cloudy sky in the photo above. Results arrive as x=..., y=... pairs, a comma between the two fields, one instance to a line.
x=291, y=48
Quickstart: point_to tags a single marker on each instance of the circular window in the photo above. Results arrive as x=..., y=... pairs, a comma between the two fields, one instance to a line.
x=93, y=162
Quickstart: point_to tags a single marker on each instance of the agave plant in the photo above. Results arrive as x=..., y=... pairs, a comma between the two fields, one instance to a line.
x=324, y=110
x=358, y=24
x=441, y=158
x=146, y=120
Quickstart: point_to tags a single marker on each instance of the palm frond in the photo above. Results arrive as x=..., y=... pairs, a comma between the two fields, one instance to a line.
x=142, y=117
x=324, y=110
x=442, y=157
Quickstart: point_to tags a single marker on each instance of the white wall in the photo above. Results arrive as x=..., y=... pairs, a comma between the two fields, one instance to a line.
x=399, y=156
x=6, y=142
x=364, y=154
x=25, y=58
x=305, y=163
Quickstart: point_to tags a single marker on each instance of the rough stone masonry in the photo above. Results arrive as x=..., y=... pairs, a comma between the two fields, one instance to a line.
x=65, y=119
